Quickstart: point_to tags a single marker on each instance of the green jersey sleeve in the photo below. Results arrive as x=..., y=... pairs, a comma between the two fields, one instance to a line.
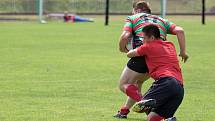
x=169, y=26
x=128, y=25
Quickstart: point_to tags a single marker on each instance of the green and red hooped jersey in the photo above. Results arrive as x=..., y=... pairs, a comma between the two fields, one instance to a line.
x=135, y=24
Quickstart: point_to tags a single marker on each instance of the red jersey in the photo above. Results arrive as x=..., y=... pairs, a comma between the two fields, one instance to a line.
x=161, y=59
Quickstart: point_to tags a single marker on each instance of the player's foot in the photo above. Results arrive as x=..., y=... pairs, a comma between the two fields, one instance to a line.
x=122, y=113
x=144, y=105
x=119, y=115
x=171, y=119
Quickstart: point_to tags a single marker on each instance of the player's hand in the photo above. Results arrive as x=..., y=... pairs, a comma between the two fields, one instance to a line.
x=132, y=53
x=183, y=56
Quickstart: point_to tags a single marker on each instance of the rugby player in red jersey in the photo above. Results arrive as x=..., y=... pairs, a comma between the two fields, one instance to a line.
x=136, y=71
x=162, y=61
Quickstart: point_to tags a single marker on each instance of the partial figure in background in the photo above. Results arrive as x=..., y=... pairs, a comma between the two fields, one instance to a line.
x=74, y=18
x=67, y=17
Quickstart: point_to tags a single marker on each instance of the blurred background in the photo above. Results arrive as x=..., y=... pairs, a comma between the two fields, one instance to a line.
x=28, y=9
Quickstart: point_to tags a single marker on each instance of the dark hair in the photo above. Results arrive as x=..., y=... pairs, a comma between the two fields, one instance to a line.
x=142, y=5
x=151, y=30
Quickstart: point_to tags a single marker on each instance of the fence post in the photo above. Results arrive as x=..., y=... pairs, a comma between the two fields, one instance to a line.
x=40, y=12
x=107, y=12
x=163, y=8
x=203, y=12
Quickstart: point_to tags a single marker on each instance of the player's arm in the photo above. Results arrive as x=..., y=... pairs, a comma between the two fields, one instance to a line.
x=132, y=53
x=124, y=38
x=140, y=51
x=181, y=40
x=179, y=32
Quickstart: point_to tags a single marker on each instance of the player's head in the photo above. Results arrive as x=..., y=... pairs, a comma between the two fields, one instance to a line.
x=151, y=32
x=141, y=6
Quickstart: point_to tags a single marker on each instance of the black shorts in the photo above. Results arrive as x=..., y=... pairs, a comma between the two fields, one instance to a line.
x=168, y=93
x=138, y=64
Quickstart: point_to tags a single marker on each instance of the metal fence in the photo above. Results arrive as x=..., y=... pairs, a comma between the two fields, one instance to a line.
x=98, y=6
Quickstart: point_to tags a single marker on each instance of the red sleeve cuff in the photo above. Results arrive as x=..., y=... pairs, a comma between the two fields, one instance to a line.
x=172, y=27
x=127, y=29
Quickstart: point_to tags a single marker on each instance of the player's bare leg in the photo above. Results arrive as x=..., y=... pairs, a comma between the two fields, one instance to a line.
x=128, y=78
x=130, y=102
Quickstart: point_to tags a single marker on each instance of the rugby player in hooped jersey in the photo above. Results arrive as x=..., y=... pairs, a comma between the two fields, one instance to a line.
x=136, y=70
x=167, y=89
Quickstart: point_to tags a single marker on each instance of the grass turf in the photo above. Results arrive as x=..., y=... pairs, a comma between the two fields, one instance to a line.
x=69, y=72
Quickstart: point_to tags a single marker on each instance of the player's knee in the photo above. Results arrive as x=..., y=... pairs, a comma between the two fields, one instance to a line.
x=121, y=87
x=122, y=84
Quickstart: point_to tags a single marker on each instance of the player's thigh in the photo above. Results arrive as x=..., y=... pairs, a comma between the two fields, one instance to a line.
x=159, y=91
x=129, y=76
x=168, y=94
x=142, y=80
x=169, y=108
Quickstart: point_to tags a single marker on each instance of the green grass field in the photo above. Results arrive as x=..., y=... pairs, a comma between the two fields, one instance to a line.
x=70, y=72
